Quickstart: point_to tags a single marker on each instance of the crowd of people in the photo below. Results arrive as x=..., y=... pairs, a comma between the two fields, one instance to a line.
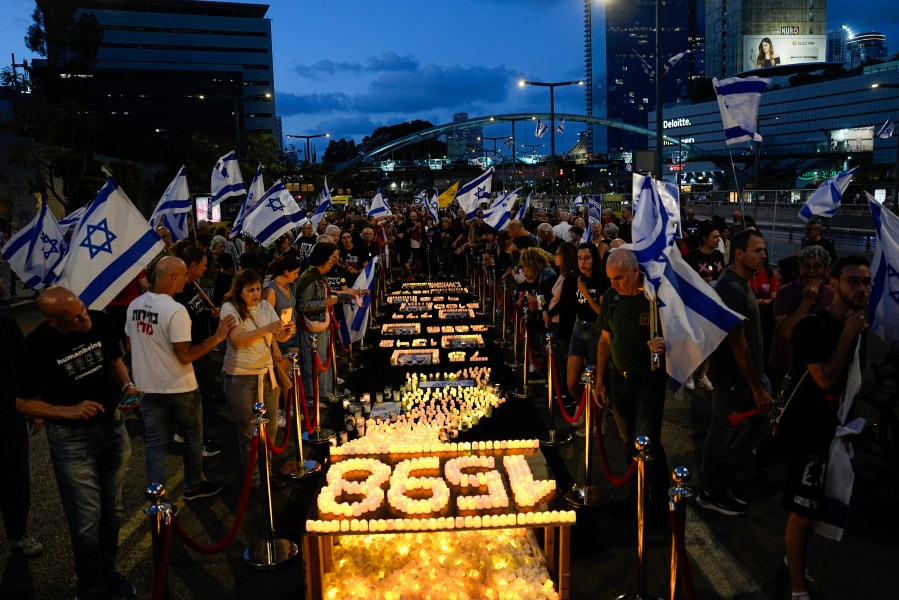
x=153, y=348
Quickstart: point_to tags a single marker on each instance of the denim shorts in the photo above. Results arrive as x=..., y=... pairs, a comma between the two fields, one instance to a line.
x=584, y=339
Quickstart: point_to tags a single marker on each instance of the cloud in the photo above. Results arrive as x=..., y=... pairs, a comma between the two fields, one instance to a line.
x=391, y=61
x=294, y=104
x=385, y=62
x=355, y=126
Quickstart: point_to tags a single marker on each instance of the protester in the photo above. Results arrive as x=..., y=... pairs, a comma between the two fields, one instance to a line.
x=813, y=237
x=560, y=313
x=592, y=283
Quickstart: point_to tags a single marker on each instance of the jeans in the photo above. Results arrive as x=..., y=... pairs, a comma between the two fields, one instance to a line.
x=638, y=402
x=242, y=392
x=325, y=379
x=584, y=340
x=727, y=451
x=15, y=493
x=90, y=463
x=157, y=411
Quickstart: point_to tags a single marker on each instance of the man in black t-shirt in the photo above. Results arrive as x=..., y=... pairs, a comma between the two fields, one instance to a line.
x=825, y=347
x=72, y=377
x=305, y=242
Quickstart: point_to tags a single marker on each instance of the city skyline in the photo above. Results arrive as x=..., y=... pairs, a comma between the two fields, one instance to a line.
x=381, y=63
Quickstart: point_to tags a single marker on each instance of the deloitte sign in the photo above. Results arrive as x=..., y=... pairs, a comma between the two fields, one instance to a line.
x=672, y=123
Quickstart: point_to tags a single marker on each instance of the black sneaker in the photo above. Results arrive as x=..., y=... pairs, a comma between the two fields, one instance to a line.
x=210, y=449
x=722, y=503
x=118, y=585
x=206, y=489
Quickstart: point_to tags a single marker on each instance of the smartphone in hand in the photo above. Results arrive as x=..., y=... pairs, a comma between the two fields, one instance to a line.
x=131, y=401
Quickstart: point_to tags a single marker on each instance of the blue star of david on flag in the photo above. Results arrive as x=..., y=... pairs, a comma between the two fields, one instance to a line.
x=106, y=246
x=481, y=193
x=50, y=246
x=276, y=204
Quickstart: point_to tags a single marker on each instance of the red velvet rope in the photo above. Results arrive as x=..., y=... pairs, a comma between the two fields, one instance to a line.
x=271, y=444
x=521, y=329
x=582, y=405
x=161, y=563
x=310, y=426
x=238, y=518
x=335, y=331
x=318, y=362
x=678, y=525
x=534, y=364
x=604, y=460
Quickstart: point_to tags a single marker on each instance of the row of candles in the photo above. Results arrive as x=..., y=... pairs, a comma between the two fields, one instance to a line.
x=521, y=519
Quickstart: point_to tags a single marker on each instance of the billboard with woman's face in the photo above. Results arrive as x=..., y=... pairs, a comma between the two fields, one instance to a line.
x=761, y=51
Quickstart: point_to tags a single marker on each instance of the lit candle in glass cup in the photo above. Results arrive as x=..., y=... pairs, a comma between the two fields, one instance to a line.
x=379, y=397
x=397, y=395
x=346, y=403
x=388, y=392
x=349, y=422
x=366, y=398
x=344, y=436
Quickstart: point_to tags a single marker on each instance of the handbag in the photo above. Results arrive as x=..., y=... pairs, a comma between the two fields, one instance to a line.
x=281, y=375
x=318, y=326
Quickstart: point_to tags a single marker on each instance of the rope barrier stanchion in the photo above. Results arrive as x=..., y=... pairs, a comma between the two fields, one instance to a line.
x=279, y=449
x=160, y=513
x=677, y=494
x=269, y=552
x=589, y=495
x=351, y=367
x=551, y=437
x=523, y=393
x=516, y=322
x=642, y=456
x=319, y=435
x=302, y=468
x=505, y=342
x=493, y=296
x=335, y=339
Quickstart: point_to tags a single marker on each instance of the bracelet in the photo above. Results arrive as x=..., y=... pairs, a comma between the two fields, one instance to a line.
x=126, y=386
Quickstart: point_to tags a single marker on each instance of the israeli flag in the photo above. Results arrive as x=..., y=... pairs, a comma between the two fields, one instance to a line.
x=883, y=306
x=174, y=207
x=523, y=208
x=827, y=198
x=541, y=129
x=578, y=203
x=693, y=318
x=474, y=192
x=497, y=216
x=738, y=101
x=37, y=252
x=274, y=214
x=560, y=128
x=112, y=244
x=324, y=205
x=71, y=219
x=355, y=316
x=887, y=130
x=670, y=196
x=226, y=179
x=587, y=236
x=256, y=191
x=433, y=208
x=379, y=206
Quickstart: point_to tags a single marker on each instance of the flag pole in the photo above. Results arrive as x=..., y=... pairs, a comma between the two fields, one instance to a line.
x=733, y=168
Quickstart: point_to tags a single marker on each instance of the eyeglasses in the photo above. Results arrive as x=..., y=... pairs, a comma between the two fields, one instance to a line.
x=859, y=281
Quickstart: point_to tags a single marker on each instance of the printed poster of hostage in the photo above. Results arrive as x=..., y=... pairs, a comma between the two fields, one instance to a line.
x=760, y=51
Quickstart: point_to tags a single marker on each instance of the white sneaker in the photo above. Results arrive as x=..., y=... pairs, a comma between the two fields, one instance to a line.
x=705, y=383
x=690, y=384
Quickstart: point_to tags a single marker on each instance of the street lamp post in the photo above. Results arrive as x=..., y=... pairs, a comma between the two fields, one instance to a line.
x=552, y=122
x=307, y=138
x=494, y=140
x=896, y=163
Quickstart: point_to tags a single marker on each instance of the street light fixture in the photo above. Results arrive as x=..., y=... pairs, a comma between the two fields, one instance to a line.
x=875, y=86
x=552, y=121
x=495, y=153
x=307, y=138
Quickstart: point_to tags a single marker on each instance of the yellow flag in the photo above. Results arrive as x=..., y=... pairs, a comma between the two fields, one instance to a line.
x=448, y=196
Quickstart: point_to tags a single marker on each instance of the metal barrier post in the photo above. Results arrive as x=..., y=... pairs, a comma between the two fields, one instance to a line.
x=160, y=513
x=590, y=495
x=677, y=494
x=319, y=436
x=551, y=437
x=304, y=468
x=524, y=363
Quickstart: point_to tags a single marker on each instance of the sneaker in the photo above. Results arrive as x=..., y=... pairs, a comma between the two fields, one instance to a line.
x=690, y=384
x=720, y=503
x=206, y=489
x=210, y=449
x=118, y=585
x=27, y=545
x=179, y=439
x=330, y=398
x=282, y=420
x=705, y=383
x=340, y=382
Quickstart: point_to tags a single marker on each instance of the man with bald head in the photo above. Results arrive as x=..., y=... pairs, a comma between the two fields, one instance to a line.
x=159, y=329
x=73, y=378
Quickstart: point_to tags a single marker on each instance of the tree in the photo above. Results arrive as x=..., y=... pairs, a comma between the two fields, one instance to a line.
x=66, y=41
x=340, y=151
x=388, y=133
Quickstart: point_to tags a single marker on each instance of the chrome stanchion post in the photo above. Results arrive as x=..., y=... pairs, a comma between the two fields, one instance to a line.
x=304, y=468
x=515, y=324
x=270, y=552
x=677, y=493
x=643, y=455
x=590, y=495
x=525, y=315
x=350, y=366
x=505, y=308
x=319, y=436
x=551, y=437
x=160, y=513
x=338, y=392
x=493, y=307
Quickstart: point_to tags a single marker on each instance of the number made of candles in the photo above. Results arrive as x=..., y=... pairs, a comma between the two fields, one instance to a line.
x=526, y=491
x=369, y=488
x=402, y=481
x=496, y=496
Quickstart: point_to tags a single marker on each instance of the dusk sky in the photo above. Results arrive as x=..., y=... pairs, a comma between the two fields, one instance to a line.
x=346, y=69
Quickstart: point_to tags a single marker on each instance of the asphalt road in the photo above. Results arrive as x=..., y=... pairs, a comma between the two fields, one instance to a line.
x=738, y=558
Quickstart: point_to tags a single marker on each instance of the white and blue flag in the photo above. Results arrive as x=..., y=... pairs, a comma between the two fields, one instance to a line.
x=578, y=203
x=541, y=129
x=274, y=214
x=432, y=207
x=37, y=252
x=174, y=207
x=254, y=193
x=226, y=179
x=827, y=198
x=560, y=128
x=112, y=244
x=497, y=216
x=71, y=219
x=324, y=205
x=355, y=315
x=887, y=130
x=693, y=318
x=380, y=208
x=523, y=208
x=474, y=192
x=738, y=101
x=883, y=306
